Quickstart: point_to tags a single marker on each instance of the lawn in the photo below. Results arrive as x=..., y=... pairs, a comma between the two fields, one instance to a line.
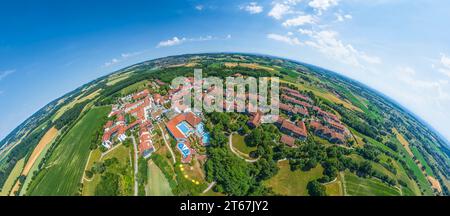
x=286, y=182
x=335, y=188
x=239, y=144
x=356, y=186
x=66, y=164
x=157, y=182
x=12, y=178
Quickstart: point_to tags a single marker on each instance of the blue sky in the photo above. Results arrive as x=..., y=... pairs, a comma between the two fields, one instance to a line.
x=399, y=47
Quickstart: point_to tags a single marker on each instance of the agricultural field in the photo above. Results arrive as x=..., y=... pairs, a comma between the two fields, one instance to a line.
x=12, y=178
x=361, y=133
x=69, y=157
x=356, y=186
x=157, y=183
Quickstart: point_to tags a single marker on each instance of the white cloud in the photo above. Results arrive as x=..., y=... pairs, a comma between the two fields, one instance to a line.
x=4, y=74
x=171, y=42
x=199, y=7
x=122, y=57
x=111, y=62
x=252, y=8
x=408, y=75
x=178, y=41
x=299, y=21
x=305, y=32
x=342, y=18
x=322, y=5
x=444, y=66
x=285, y=39
x=327, y=43
x=279, y=10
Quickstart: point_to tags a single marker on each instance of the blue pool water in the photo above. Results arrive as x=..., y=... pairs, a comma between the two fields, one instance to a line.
x=184, y=150
x=201, y=131
x=184, y=128
x=200, y=128
x=205, y=138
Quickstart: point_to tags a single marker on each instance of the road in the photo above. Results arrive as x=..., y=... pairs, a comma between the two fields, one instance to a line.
x=230, y=143
x=209, y=187
x=167, y=144
x=135, y=166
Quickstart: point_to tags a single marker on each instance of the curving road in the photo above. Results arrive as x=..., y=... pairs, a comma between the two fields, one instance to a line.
x=230, y=143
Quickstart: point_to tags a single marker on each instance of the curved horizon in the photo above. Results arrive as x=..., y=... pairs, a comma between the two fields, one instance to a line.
x=253, y=54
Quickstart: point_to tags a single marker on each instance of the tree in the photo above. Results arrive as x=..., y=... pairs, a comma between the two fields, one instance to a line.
x=108, y=185
x=316, y=189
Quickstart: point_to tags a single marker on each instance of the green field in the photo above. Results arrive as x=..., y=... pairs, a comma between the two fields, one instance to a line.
x=286, y=182
x=65, y=166
x=35, y=168
x=12, y=178
x=157, y=183
x=239, y=144
x=423, y=182
x=356, y=186
x=422, y=160
x=335, y=188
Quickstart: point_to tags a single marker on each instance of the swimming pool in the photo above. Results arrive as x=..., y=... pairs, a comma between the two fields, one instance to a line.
x=200, y=128
x=184, y=150
x=201, y=132
x=205, y=138
x=184, y=128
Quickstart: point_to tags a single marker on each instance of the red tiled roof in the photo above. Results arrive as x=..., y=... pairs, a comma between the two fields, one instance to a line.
x=288, y=140
x=255, y=119
x=189, y=117
x=109, y=124
x=301, y=131
x=192, y=119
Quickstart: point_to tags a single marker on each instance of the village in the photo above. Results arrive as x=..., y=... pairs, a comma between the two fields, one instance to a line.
x=139, y=112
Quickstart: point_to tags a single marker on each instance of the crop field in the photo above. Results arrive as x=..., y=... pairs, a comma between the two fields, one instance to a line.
x=286, y=182
x=422, y=160
x=423, y=182
x=357, y=186
x=72, y=103
x=157, y=185
x=46, y=139
x=15, y=173
x=65, y=166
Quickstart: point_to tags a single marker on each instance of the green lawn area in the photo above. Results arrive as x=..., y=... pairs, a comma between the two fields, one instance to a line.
x=286, y=182
x=66, y=164
x=157, y=183
x=12, y=178
x=335, y=188
x=356, y=186
x=239, y=144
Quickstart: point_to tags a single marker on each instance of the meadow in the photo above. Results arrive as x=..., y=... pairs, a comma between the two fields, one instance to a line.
x=292, y=183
